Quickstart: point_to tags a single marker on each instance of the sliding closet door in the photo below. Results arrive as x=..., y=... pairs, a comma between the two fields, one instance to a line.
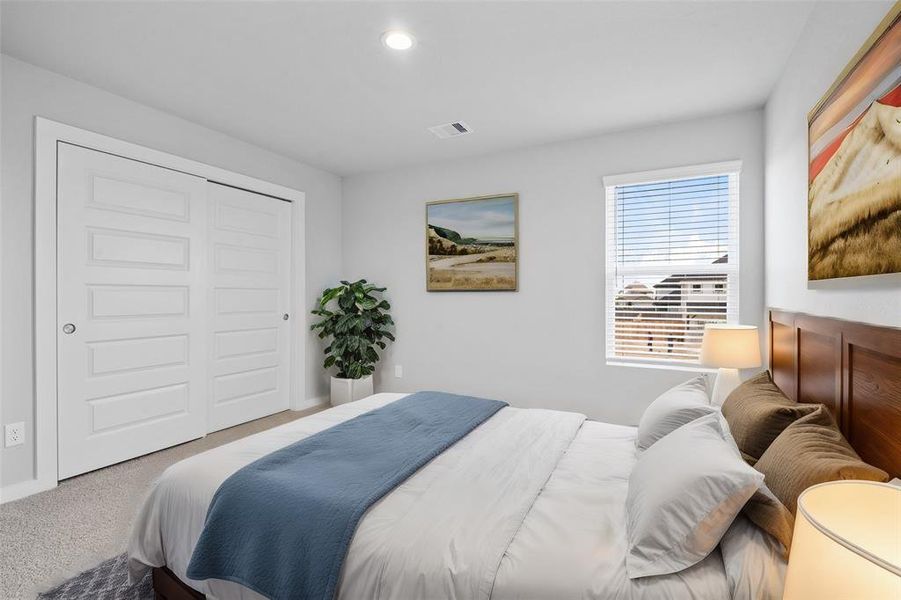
x=249, y=300
x=131, y=297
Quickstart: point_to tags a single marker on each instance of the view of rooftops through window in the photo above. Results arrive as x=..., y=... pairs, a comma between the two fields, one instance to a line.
x=672, y=271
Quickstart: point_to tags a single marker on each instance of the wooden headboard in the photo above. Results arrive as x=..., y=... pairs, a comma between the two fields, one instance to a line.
x=852, y=368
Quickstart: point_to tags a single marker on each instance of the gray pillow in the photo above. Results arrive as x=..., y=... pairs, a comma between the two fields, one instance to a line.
x=673, y=409
x=684, y=492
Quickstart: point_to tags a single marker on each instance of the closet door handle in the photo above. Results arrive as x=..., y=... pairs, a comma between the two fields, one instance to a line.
x=285, y=317
x=69, y=328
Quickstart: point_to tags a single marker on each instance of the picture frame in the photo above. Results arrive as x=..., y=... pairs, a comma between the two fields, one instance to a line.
x=854, y=169
x=472, y=244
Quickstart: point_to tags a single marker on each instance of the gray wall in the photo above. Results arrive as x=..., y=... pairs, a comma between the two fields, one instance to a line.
x=542, y=346
x=833, y=34
x=28, y=91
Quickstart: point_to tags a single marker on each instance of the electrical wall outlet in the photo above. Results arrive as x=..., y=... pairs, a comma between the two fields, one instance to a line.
x=398, y=371
x=15, y=434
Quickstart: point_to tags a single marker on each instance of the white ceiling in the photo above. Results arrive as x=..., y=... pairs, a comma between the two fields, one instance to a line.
x=312, y=81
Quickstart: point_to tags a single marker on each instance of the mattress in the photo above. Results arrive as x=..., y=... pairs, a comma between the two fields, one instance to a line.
x=529, y=505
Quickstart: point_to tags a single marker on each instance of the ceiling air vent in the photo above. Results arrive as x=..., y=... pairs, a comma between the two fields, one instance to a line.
x=451, y=129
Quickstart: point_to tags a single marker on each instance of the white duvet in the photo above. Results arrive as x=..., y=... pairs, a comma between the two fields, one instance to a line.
x=528, y=505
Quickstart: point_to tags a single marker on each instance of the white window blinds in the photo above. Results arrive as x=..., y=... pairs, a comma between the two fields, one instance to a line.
x=672, y=261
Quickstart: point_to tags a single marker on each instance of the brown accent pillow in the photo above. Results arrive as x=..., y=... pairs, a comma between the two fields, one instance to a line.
x=810, y=451
x=768, y=513
x=748, y=459
x=757, y=412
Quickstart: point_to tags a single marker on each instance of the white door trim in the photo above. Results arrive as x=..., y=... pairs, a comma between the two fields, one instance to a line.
x=47, y=136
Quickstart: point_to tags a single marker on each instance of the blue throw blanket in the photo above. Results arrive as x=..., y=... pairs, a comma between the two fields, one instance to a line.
x=281, y=526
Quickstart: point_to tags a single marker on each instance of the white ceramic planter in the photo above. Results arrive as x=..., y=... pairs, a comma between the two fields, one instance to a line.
x=348, y=390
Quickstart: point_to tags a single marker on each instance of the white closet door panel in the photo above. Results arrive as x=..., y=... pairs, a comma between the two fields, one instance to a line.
x=150, y=306
x=131, y=263
x=249, y=292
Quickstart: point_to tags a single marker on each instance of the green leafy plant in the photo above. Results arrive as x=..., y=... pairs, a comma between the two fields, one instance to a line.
x=355, y=317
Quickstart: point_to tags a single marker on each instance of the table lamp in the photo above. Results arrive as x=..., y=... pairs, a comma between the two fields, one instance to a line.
x=730, y=348
x=847, y=542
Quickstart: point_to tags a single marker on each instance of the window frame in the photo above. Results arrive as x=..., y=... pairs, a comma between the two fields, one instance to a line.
x=611, y=182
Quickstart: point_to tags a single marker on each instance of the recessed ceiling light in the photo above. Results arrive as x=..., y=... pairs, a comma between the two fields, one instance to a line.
x=397, y=40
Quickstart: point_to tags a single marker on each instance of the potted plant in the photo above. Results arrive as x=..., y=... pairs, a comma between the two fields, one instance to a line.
x=355, y=317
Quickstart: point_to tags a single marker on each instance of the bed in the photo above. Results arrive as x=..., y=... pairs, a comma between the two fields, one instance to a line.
x=528, y=505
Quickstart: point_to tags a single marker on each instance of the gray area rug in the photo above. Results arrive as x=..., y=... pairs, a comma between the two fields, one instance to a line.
x=106, y=581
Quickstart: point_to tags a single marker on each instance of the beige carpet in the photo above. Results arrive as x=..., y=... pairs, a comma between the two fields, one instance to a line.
x=49, y=537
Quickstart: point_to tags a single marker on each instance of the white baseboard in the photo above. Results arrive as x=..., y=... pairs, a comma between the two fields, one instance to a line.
x=15, y=491
x=311, y=403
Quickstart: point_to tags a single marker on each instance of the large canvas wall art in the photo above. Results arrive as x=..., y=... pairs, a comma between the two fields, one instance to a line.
x=854, y=137
x=472, y=244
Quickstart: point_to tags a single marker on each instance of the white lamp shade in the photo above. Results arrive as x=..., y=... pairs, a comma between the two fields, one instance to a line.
x=730, y=347
x=847, y=542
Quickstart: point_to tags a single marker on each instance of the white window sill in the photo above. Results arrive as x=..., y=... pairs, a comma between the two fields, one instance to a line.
x=665, y=366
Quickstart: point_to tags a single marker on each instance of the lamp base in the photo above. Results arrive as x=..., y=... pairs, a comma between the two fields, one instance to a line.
x=726, y=381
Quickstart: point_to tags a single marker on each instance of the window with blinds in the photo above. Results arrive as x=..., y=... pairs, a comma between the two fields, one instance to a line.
x=672, y=261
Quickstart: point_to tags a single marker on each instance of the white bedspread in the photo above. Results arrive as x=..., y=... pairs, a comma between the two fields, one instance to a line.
x=572, y=544
x=529, y=505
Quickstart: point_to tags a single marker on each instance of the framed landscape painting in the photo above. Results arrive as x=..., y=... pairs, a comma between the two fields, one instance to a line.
x=472, y=244
x=854, y=177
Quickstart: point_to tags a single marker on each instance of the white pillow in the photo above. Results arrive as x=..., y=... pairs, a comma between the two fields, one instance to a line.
x=673, y=409
x=753, y=559
x=684, y=492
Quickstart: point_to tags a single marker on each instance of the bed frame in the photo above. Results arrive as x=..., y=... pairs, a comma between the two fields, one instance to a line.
x=167, y=586
x=852, y=368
